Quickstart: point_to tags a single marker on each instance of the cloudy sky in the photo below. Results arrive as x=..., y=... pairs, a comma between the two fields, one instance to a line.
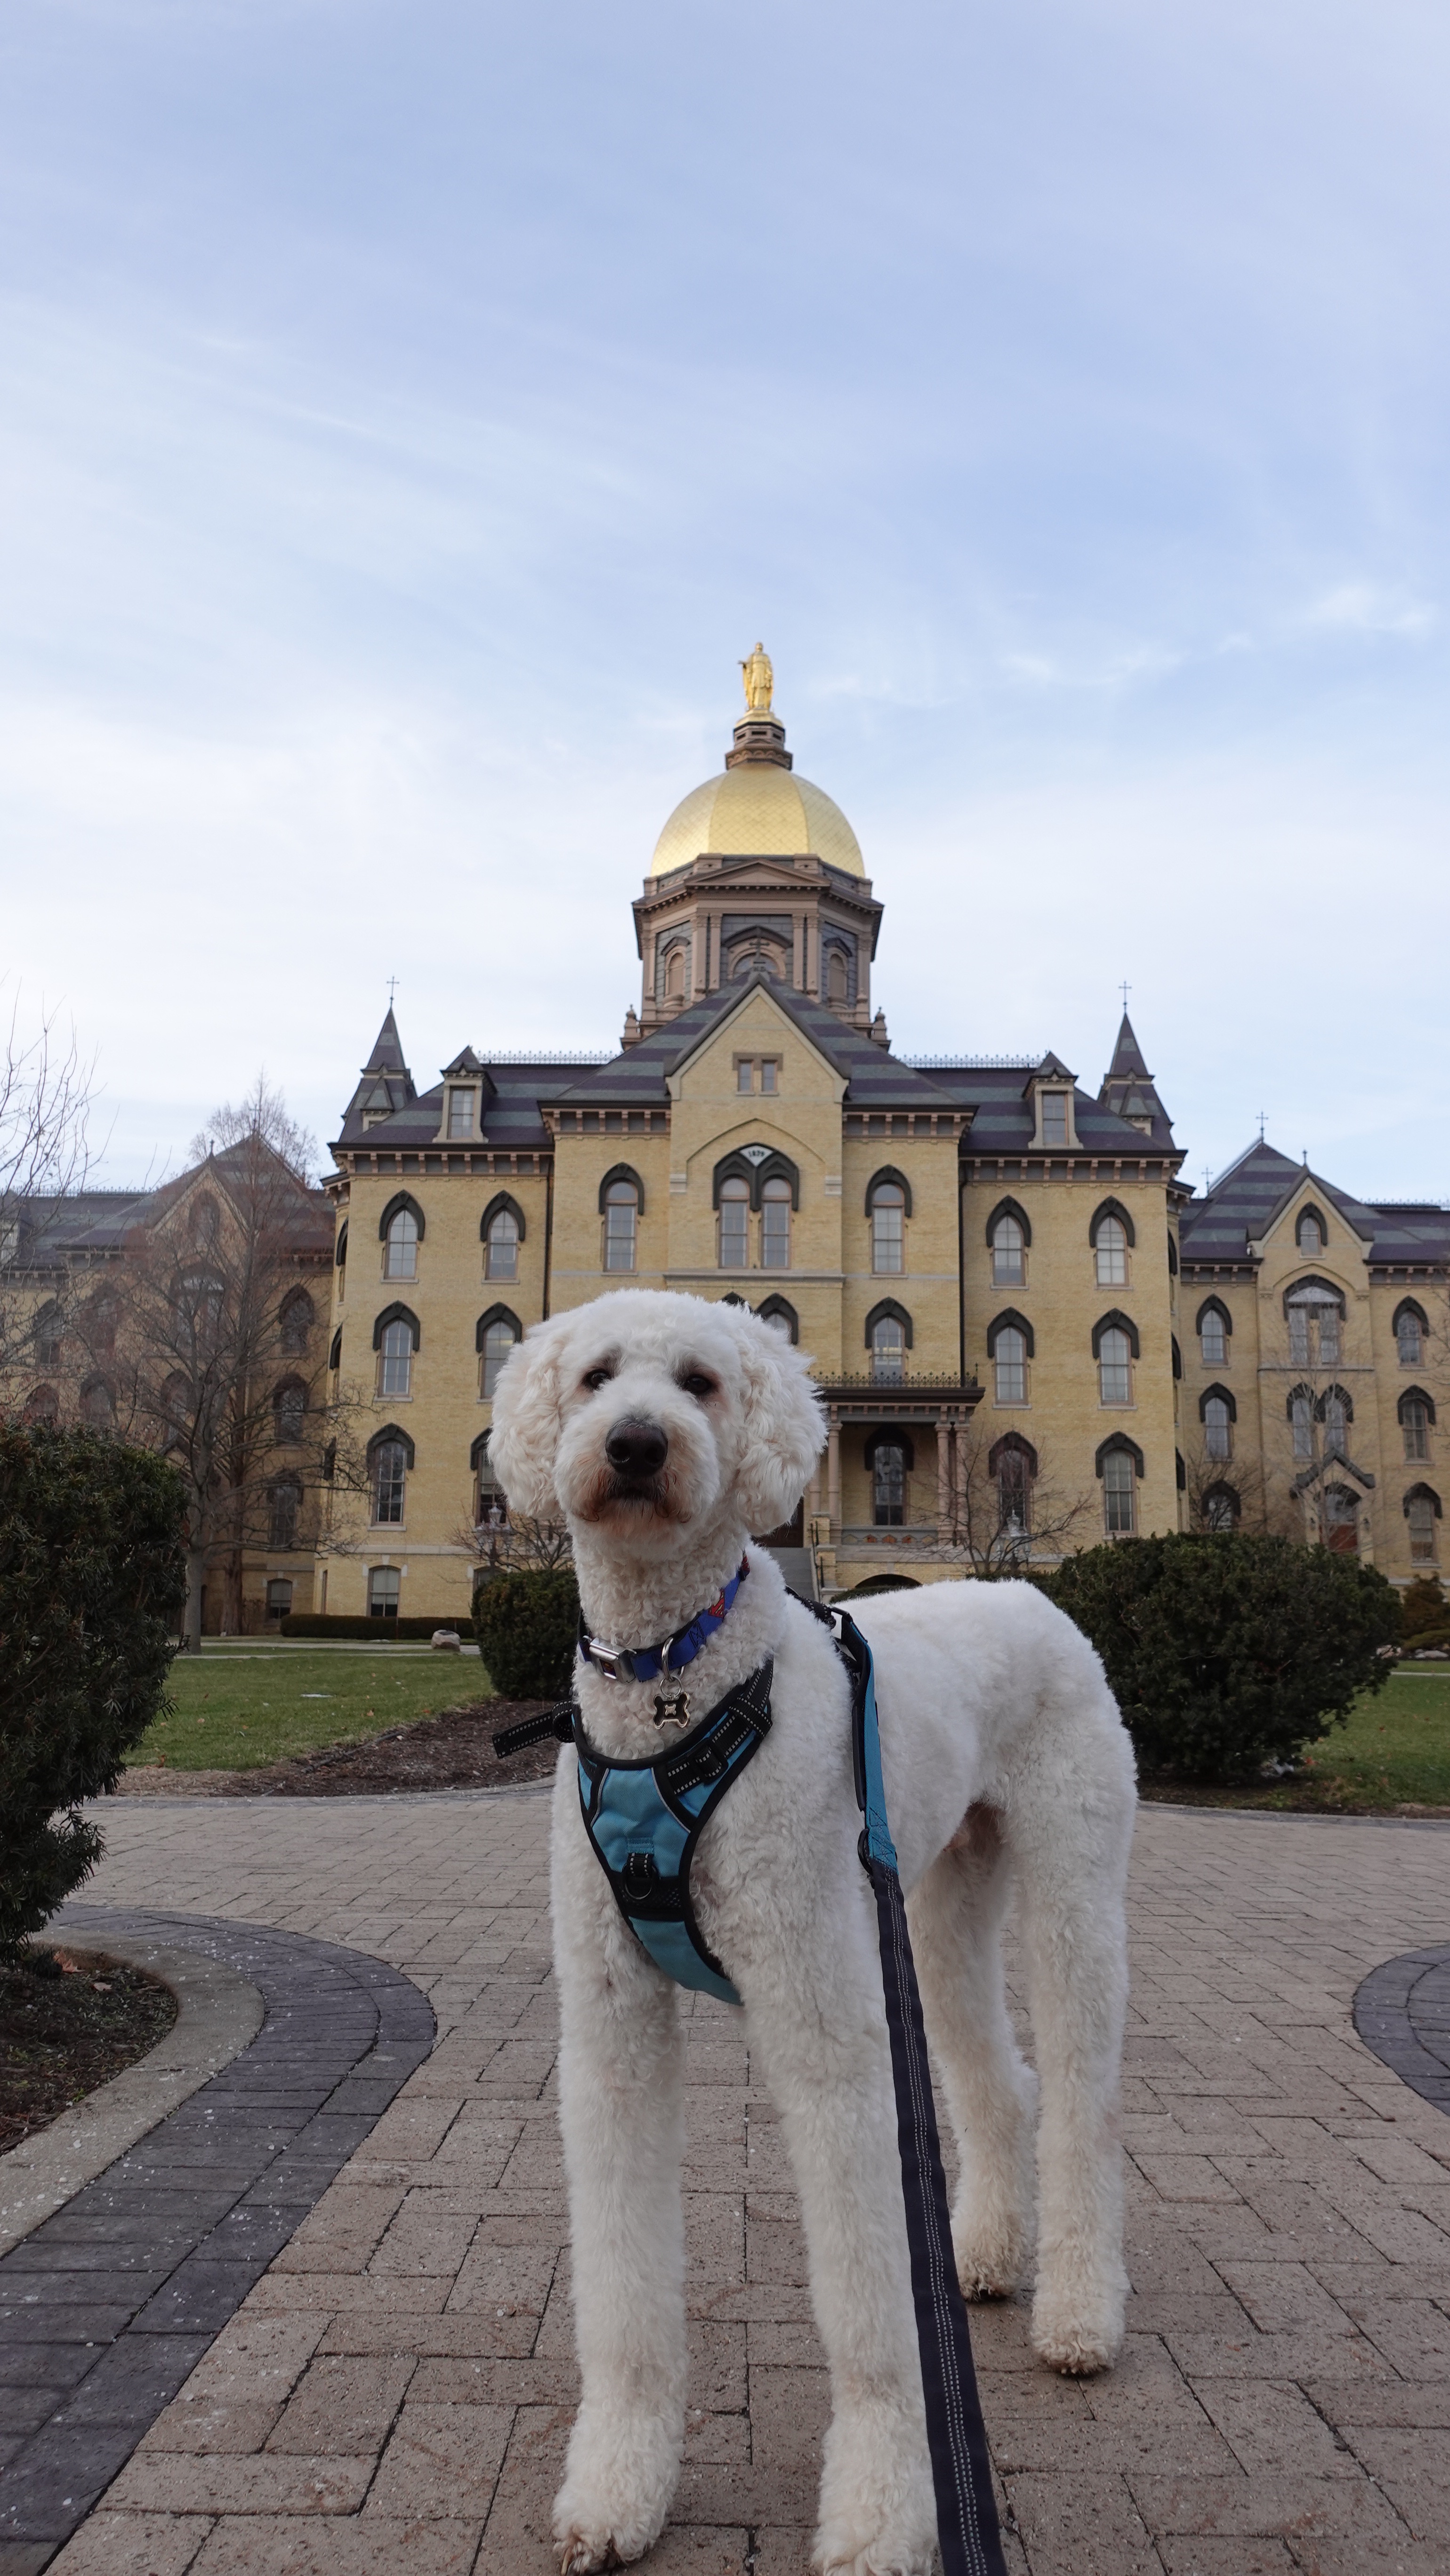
x=412, y=410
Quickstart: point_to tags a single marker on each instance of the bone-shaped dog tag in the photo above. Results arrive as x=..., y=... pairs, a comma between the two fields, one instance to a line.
x=673, y=1712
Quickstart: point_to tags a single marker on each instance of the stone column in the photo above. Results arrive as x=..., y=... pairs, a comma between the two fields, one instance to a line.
x=943, y=1480
x=833, y=1475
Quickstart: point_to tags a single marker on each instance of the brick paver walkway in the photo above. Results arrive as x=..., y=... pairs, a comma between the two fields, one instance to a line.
x=395, y=2392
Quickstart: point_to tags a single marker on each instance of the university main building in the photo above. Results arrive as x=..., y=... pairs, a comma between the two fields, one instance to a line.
x=1028, y=1332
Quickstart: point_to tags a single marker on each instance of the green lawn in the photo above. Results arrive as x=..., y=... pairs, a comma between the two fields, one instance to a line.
x=1393, y=1752
x=238, y=1705
x=1395, y=1749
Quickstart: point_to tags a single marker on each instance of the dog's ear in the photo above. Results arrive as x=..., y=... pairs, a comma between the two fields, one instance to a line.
x=527, y=1420
x=785, y=1429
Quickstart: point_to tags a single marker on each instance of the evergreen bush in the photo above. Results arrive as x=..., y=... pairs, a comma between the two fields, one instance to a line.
x=1423, y=1605
x=1228, y=1651
x=527, y=1626
x=92, y=1587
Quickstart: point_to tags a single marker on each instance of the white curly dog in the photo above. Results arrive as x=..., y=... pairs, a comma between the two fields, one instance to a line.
x=667, y=1429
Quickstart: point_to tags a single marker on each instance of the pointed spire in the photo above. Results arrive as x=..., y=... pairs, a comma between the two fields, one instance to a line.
x=1128, y=1089
x=387, y=1054
x=1129, y=1062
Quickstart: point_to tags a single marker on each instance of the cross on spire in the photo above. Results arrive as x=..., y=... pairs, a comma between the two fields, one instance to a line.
x=1263, y=1116
x=392, y=988
x=1125, y=989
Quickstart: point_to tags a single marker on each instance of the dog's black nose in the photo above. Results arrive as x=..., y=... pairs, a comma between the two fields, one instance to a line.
x=637, y=1448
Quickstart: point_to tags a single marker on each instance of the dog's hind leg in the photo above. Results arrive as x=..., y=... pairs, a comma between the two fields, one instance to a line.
x=1069, y=1826
x=955, y=1913
x=621, y=2113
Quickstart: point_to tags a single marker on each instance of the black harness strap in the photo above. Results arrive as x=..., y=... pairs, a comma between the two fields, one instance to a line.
x=536, y=1730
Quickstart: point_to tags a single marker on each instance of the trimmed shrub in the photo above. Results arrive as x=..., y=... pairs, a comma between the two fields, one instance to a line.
x=1226, y=1651
x=871, y=1584
x=322, y=1623
x=527, y=1626
x=92, y=1586
x=1427, y=1637
x=1423, y=1605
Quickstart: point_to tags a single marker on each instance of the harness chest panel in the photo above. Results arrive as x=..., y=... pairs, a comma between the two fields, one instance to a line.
x=645, y=1818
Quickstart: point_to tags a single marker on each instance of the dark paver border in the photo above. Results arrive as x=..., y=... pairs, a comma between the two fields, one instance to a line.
x=1402, y=2012
x=107, y=2306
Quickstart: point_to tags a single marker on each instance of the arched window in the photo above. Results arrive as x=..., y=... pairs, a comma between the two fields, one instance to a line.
x=1119, y=1494
x=42, y=1405
x=289, y=1402
x=1110, y=1234
x=395, y=1365
x=621, y=1204
x=1315, y=1313
x=334, y=1356
x=838, y=978
x=1301, y=1416
x=494, y=1336
x=283, y=1504
x=1009, y=1251
x=780, y=1312
x=384, y=1586
x=1214, y=1327
x=1217, y=1427
x=675, y=973
x=1221, y=1508
x=1422, y=1511
x=1112, y=1254
x=888, y=1349
x=340, y=1258
x=888, y=1228
x=1410, y=1331
x=1115, y=1367
x=48, y=1329
x=98, y=1405
x=390, y=1455
x=1310, y=1234
x=1010, y=1362
x=490, y=1503
x=1013, y=1465
x=888, y=1485
x=1336, y=1412
x=102, y=1317
x=503, y=1231
x=1339, y=1521
x=296, y=1320
x=204, y=1218
x=1417, y=1414
x=775, y=1225
x=400, y=1252
x=734, y=1224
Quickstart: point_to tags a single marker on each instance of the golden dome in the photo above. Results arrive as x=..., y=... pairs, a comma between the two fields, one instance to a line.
x=756, y=808
x=758, y=813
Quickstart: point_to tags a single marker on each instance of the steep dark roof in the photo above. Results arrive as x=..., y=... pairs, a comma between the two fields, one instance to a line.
x=1128, y=1088
x=1245, y=1200
x=875, y=1078
x=387, y=1054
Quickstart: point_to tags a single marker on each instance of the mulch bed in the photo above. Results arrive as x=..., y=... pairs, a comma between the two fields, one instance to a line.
x=451, y=1751
x=1275, y=1797
x=70, y=2020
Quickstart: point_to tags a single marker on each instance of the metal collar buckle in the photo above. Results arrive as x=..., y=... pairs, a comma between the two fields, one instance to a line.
x=616, y=1663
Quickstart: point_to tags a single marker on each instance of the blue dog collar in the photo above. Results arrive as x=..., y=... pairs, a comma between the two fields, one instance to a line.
x=646, y=1663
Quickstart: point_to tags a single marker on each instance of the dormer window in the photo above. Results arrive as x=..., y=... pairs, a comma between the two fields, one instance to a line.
x=460, y=1111
x=1054, y=1118
x=1309, y=1235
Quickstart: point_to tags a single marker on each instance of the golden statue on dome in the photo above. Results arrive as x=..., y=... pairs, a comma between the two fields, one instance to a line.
x=759, y=681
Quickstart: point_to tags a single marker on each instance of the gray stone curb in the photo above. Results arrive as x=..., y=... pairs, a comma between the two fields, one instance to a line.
x=218, y=2015
x=1402, y=2012
x=108, y=2304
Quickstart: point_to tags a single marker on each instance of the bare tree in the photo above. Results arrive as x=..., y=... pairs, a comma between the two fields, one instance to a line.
x=211, y=1346
x=1009, y=1512
x=263, y=1117
x=46, y=1092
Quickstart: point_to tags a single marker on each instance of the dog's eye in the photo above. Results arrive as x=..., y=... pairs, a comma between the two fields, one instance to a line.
x=594, y=1379
x=698, y=1384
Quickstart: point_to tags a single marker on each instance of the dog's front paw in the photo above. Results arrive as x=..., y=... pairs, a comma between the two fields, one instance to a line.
x=878, y=2507
x=1077, y=2328
x=992, y=2256
x=615, y=2495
